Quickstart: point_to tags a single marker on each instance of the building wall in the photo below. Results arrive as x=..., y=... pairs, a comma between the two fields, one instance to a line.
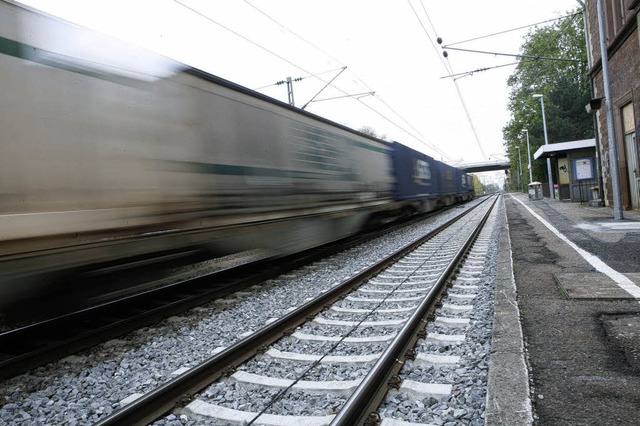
x=621, y=20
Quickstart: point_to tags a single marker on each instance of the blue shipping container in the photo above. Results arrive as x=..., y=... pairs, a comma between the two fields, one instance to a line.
x=414, y=173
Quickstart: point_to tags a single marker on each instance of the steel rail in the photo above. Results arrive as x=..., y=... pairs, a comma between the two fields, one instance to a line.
x=368, y=395
x=47, y=340
x=152, y=405
x=33, y=345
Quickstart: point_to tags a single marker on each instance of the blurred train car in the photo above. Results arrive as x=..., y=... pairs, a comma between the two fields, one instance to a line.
x=463, y=190
x=415, y=181
x=110, y=152
x=425, y=184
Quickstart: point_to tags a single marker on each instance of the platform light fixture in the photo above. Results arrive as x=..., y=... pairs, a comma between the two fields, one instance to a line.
x=546, y=142
x=520, y=170
x=526, y=131
x=594, y=105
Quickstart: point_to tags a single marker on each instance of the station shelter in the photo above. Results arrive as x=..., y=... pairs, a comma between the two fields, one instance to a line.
x=575, y=165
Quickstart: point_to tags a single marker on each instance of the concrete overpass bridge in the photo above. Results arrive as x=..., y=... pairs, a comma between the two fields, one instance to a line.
x=487, y=166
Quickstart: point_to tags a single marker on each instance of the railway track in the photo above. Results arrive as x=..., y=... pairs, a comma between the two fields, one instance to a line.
x=35, y=344
x=370, y=323
x=32, y=345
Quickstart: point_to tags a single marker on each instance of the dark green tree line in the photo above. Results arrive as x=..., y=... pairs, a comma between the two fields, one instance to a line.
x=564, y=85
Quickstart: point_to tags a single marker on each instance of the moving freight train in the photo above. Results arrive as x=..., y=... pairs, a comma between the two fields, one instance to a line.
x=109, y=152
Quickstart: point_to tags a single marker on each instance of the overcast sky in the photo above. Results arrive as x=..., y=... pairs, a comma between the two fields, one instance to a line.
x=388, y=46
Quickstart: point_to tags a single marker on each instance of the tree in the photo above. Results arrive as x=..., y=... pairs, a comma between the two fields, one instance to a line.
x=563, y=83
x=370, y=131
x=477, y=186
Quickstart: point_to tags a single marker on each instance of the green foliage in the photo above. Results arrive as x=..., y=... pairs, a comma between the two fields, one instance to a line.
x=480, y=188
x=370, y=131
x=477, y=185
x=565, y=87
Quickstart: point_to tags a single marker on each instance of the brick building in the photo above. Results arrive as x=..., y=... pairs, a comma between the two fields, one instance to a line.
x=623, y=45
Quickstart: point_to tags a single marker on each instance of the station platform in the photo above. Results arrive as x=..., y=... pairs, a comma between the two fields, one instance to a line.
x=566, y=343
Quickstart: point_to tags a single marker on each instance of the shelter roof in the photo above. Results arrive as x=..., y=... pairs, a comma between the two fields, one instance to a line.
x=554, y=149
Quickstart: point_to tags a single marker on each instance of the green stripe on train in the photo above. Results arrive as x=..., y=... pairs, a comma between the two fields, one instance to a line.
x=251, y=171
x=11, y=47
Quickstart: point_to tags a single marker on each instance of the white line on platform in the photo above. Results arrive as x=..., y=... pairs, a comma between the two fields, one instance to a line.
x=623, y=282
x=623, y=226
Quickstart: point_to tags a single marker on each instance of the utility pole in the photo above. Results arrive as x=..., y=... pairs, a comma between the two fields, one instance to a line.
x=546, y=142
x=528, y=155
x=587, y=37
x=520, y=170
x=611, y=131
x=325, y=86
x=289, y=81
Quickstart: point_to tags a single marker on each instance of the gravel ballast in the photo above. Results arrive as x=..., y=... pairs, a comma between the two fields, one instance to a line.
x=86, y=387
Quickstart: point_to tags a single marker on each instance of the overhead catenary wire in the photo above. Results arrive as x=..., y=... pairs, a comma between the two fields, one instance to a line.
x=513, y=55
x=514, y=29
x=284, y=27
x=355, y=95
x=435, y=48
x=437, y=54
x=258, y=45
x=313, y=45
x=419, y=138
x=255, y=43
x=321, y=90
x=521, y=58
x=449, y=69
x=300, y=78
x=466, y=73
x=549, y=42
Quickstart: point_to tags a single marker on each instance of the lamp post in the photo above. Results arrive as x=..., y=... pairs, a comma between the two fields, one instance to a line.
x=546, y=142
x=528, y=155
x=520, y=170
